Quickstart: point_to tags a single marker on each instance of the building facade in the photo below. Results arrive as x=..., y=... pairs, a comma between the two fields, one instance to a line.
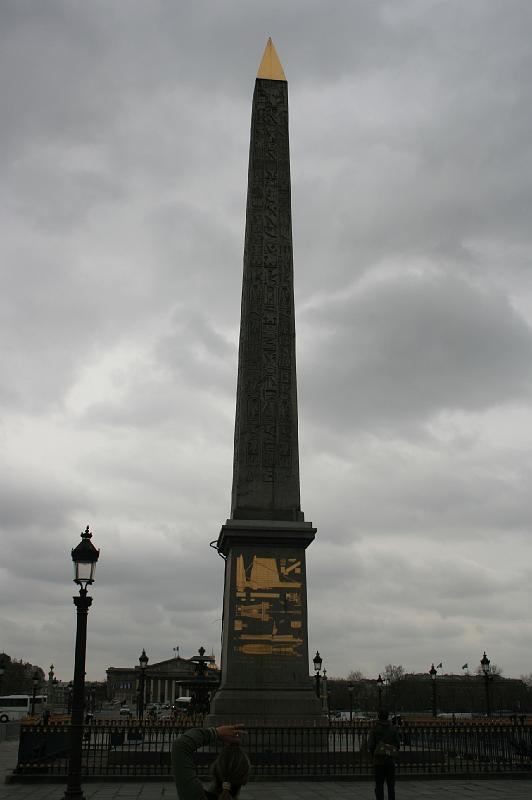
x=161, y=685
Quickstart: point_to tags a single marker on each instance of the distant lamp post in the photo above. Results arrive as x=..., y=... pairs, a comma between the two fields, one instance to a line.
x=143, y=661
x=486, y=674
x=317, y=660
x=350, y=689
x=91, y=697
x=325, y=694
x=84, y=558
x=35, y=678
x=50, y=689
x=3, y=667
x=380, y=684
x=433, y=672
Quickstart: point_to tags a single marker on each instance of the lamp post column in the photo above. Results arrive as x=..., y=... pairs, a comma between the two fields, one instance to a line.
x=84, y=557
x=350, y=689
x=141, y=703
x=50, y=689
x=73, y=789
x=485, y=666
x=143, y=661
x=488, y=703
x=325, y=694
x=433, y=673
x=34, y=682
x=379, y=689
x=317, y=666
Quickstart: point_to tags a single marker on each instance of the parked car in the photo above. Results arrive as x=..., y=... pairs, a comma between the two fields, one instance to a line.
x=125, y=711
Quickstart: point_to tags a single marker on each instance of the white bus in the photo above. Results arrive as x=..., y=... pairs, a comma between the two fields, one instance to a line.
x=16, y=706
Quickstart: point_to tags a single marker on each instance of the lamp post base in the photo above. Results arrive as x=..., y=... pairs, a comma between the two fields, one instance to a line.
x=74, y=793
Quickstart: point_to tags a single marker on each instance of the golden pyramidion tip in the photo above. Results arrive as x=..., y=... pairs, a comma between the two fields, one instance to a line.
x=270, y=67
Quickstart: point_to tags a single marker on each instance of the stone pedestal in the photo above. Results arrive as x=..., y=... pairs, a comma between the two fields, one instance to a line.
x=265, y=678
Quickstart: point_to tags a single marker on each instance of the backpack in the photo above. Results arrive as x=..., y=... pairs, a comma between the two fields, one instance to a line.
x=384, y=749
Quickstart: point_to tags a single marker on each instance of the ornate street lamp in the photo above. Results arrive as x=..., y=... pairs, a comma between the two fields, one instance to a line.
x=486, y=674
x=350, y=689
x=34, y=683
x=143, y=661
x=433, y=672
x=380, y=684
x=84, y=558
x=317, y=666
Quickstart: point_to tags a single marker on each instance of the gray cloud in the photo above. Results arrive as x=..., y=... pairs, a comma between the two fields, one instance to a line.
x=123, y=154
x=412, y=345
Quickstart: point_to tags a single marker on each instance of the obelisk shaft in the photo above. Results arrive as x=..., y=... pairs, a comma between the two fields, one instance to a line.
x=266, y=458
x=265, y=676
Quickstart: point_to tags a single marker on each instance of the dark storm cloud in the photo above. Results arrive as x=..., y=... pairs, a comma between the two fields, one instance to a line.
x=430, y=158
x=407, y=347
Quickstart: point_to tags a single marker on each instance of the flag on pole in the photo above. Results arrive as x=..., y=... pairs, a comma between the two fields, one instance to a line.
x=440, y=666
x=465, y=666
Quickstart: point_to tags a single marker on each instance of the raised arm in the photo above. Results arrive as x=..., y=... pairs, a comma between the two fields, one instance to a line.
x=188, y=785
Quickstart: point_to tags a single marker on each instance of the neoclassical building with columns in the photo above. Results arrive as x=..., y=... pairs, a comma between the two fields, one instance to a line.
x=162, y=681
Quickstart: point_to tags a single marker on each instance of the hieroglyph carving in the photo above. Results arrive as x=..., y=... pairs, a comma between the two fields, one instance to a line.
x=266, y=467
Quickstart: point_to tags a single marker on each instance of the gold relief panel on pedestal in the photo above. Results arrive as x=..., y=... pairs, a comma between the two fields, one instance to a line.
x=268, y=614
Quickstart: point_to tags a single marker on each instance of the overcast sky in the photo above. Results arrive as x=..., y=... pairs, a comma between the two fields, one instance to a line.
x=123, y=151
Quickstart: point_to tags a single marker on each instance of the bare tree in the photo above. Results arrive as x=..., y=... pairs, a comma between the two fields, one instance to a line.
x=393, y=672
x=355, y=675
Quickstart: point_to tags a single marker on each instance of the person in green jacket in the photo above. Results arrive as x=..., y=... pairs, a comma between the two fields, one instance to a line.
x=229, y=770
x=383, y=744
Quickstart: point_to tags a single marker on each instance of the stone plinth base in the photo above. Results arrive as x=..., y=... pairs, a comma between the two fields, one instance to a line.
x=279, y=708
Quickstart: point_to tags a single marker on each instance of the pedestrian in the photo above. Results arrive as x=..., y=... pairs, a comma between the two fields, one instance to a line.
x=383, y=744
x=229, y=771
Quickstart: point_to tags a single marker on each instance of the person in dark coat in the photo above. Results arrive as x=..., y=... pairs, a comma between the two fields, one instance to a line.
x=383, y=744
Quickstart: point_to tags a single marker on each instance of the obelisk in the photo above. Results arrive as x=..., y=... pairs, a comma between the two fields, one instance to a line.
x=265, y=668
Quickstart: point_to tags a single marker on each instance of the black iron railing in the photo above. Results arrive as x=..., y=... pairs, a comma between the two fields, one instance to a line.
x=133, y=749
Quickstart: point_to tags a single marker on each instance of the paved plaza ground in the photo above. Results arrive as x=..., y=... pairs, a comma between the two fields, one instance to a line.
x=502, y=789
